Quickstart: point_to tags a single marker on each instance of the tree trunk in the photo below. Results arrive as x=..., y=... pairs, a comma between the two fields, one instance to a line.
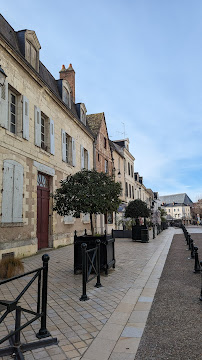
x=91, y=224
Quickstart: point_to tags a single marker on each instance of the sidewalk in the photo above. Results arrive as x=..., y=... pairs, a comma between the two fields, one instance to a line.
x=110, y=324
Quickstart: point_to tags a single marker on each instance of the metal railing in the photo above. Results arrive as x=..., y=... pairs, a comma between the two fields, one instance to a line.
x=17, y=348
x=90, y=263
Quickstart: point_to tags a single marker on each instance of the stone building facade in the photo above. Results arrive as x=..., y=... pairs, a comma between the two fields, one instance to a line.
x=43, y=138
x=103, y=162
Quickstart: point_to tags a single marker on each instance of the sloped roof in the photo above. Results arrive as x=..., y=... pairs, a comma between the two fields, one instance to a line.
x=94, y=122
x=10, y=35
x=117, y=148
x=176, y=198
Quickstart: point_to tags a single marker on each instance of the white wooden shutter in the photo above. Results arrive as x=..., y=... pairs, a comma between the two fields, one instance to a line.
x=4, y=105
x=88, y=161
x=52, y=138
x=37, y=117
x=25, y=118
x=86, y=218
x=69, y=219
x=7, y=196
x=63, y=145
x=82, y=157
x=73, y=152
x=17, y=193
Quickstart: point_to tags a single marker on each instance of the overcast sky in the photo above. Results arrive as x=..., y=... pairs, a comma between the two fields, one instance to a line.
x=139, y=62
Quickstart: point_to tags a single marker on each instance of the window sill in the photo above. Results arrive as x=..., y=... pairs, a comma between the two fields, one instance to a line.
x=17, y=224
x=70, y=165
x=14, y=135
x=44, y=152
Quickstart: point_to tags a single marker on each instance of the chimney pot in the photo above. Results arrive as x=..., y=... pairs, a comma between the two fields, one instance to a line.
x=69, y=75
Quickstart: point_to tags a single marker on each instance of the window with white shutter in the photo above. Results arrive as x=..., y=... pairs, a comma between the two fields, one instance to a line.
x=4, y=105
x=52, y=138
x=12, y=196
x=69, y=219
x=67, y=148
x=85, y=161
x=86, y=218
x=37, y=118
x=82, y=157
x=25, y=117
x=73, y=152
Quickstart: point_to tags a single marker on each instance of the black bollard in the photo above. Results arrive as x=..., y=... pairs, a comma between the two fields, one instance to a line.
x=84, y=297
x=201, y=281
x=196, y=265
x=98, y=284
x=85, y=232
x=153, y=231
x=17, y=326
x=43, y=332
x=192, y=249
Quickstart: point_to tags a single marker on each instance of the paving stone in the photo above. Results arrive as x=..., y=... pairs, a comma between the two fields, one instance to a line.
x=75, y=322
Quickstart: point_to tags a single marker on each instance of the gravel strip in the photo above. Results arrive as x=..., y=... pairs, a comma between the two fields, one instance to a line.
x=173, y=329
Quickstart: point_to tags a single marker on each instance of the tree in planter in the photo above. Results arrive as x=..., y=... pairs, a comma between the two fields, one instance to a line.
x=88, y=192
x=163, y=214
x=136, y=209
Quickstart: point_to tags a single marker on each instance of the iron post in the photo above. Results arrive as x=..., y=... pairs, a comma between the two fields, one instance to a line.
x=192, y=249
x=196, y=265
x=153, y=231
x=17, y=326
x=84, y=297
x=189, y=241
x=98, y=284
x=201, y=281
x=43, y=332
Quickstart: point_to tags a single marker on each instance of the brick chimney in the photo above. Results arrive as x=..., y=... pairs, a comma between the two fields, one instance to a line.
x=69, y=75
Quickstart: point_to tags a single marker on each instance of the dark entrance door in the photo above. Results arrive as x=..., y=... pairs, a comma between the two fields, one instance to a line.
x=43, y=194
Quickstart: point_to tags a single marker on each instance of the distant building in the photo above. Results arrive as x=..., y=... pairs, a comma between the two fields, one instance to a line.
x=177, y=206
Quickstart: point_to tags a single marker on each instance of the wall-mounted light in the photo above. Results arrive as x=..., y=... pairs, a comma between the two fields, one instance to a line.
x=119, y=174
x=3, y=76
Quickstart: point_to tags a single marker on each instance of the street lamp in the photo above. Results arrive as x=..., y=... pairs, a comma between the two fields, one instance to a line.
x=2, y=76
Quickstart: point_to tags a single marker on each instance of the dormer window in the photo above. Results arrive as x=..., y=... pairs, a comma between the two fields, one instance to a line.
x=66, y=93
x=83, y=113
x=32, y=48
x=31, y=54
x=66, y=97
x=83, y=116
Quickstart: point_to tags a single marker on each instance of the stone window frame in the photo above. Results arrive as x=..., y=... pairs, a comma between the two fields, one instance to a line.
x=18, y=127
x=66, y=90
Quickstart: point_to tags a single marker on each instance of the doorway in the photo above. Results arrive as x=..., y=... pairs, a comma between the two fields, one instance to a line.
x=43, y=195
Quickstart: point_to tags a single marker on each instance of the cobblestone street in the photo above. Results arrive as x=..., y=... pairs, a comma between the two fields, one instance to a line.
x=101, y=327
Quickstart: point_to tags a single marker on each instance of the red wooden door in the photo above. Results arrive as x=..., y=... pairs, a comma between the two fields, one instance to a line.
x=43, y=194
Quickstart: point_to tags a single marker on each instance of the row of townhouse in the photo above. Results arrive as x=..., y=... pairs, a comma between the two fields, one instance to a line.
x=44, y=137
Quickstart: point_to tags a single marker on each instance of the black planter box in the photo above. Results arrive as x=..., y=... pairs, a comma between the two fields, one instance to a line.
x=107, y=251
x=122, y=233
x=137, y=232
x=144, y=235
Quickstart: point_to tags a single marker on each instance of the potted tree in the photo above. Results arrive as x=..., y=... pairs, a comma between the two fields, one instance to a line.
x=89, y=192
x=138, y=209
